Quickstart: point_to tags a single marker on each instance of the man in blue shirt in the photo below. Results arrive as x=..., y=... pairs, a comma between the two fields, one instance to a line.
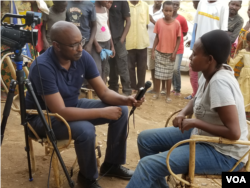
x=63, y=67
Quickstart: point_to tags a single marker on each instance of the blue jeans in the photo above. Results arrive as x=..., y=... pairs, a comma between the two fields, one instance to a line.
x=153, y=149
x=83, y=132
x=176, y=81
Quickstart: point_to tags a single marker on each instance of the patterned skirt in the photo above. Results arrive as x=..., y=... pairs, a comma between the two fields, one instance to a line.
x=164, y=67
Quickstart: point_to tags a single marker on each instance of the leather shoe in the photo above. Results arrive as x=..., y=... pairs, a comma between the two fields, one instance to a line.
x=87, y=183
x=118, y=171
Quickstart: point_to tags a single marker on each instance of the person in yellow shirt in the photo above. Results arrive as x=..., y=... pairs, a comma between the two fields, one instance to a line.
x=137, y=41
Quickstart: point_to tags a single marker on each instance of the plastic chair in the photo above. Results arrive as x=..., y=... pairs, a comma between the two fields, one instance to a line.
x=188, y=179
x=61, y=144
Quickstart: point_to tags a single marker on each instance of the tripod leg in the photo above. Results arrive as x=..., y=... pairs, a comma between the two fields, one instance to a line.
x=20, y=80
x=49, y=132
x=7, y=107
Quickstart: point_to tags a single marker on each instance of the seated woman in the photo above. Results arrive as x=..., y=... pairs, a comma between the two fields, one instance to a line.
x=219, y=111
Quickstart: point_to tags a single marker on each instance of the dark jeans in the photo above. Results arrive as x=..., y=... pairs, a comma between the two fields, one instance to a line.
x=119, y=66
x=137, y=58
x=83, y=132
x=102, y=66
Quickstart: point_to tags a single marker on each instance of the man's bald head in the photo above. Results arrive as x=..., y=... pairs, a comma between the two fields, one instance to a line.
x=64, y=32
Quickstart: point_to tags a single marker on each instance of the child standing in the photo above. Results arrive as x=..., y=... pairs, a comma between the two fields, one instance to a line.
x=57, y=13
x=244, y=78
x=164, y=52
x=102, y=39
x=184, y=29
x=155, y=13
x=193, y=75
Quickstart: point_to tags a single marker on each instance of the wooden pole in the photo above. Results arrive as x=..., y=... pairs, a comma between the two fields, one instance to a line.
x=191, y=163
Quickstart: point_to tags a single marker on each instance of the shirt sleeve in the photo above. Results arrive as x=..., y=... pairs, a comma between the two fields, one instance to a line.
x=178, y=30
x=221, y=94
x=125, y=9
x=184, y=25
x=224, y=18
x=156, y=27
x=93, y=13
x=48, y=78
x=236, y=32
x=91, y=68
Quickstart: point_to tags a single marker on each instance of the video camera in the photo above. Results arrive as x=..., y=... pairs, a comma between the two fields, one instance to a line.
x=15, y=36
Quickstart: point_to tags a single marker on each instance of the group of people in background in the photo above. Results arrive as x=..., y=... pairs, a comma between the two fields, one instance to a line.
x=124, y=38
x=135, y=33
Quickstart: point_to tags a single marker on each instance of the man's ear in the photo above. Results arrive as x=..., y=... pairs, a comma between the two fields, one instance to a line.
x=56, y=46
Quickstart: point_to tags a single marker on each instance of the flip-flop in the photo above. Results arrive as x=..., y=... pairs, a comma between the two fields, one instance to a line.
x=168, y=100
x=177, y=94
x=188, y=97
x=163, y=92
x=151, y=91
x=155, y=96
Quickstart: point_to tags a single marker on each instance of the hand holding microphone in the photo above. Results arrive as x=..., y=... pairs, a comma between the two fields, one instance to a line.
x=140, y=94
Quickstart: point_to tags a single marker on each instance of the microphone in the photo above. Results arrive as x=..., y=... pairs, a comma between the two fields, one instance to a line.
x=140, y=94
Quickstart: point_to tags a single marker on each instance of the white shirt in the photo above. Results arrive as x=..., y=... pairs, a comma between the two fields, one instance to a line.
x=222, y=90
x=156, y=16
x=211, y=16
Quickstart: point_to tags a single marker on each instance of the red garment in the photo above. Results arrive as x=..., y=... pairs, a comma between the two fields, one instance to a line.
x=39, y=45
x=184, y=29
x=167, y=42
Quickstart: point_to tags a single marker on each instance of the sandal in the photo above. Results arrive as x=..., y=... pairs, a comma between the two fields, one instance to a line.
x=173, y=91
x=168, y=100
x=155, y=96
x=188, y=97
x=177, y=94
x=163, y=92
x=151, y=91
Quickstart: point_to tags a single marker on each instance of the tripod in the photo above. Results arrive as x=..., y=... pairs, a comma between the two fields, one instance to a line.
x=21, y=82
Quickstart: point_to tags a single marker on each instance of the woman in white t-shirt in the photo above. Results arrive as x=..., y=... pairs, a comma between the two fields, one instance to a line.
x=219, y=111
x=155, y=13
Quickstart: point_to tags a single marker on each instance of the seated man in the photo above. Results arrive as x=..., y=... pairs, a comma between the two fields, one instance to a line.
x=63, y=68
x=219, y=110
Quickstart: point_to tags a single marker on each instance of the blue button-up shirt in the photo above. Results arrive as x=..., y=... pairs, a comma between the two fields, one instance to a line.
x=55, y=78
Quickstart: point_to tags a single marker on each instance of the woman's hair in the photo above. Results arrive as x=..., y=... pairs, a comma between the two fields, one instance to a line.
x=217, y=44
x=248, y=37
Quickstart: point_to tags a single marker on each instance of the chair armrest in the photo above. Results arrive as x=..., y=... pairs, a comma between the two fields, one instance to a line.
x=192, y=141
x=60, y=118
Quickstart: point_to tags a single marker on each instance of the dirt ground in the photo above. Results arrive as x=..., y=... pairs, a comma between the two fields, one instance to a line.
x=14, y=168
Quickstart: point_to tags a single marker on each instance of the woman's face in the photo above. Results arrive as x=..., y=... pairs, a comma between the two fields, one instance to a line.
x=198, y=60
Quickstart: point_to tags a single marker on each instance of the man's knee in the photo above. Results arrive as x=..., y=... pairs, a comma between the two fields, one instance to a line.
x=85, y=132
x=124, y=111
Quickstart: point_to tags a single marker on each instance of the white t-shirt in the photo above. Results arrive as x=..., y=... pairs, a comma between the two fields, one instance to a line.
x=222, y=90
x=156, y=16
x=211, y=16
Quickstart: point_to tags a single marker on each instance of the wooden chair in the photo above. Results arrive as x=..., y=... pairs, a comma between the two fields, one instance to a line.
x=188, y=179
x=61, y=144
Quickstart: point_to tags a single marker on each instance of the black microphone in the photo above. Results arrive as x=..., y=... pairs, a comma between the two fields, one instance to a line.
x=141, y=93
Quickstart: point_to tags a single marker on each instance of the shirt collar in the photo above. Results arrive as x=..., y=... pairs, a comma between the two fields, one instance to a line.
x=232, y=18
x=130, y=4
x=55, y=60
